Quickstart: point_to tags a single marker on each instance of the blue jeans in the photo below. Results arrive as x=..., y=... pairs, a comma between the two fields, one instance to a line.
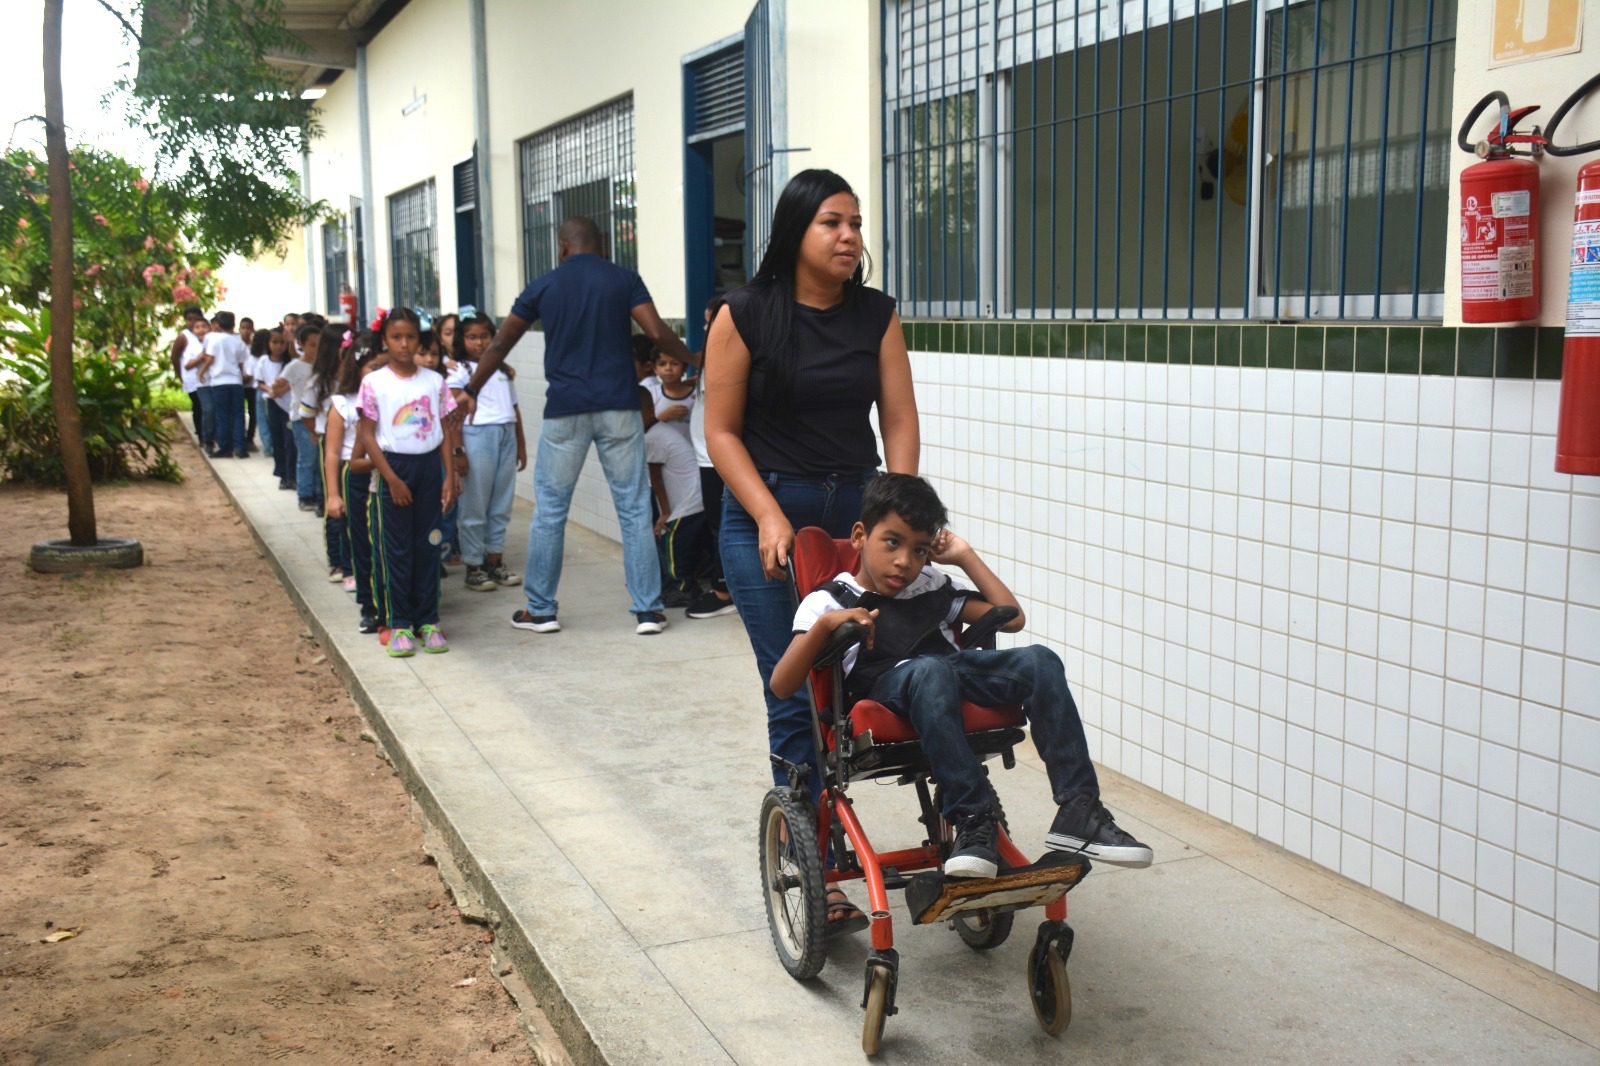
x=928, y=692
x=263, y=421
x=228, y=422
x=489, y=490
x=207, y=427
x=767, y=607
x=307, y=464
x=618, y=437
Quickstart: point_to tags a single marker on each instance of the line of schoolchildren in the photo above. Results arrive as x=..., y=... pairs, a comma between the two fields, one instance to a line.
x=686, y=488
x=355, y=425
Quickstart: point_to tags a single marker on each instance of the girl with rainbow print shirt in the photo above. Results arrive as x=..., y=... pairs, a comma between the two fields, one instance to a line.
x=402, y=428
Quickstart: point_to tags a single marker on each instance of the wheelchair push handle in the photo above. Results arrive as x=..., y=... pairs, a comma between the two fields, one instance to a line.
x=843, y=639
x=981, y=633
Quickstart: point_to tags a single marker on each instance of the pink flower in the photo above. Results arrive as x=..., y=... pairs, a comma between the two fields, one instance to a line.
x=22, y=223
x=141, y=184
x=111, y=350
x=94, y=270
x=101, y=219
x=29, y=168
x=77, y=303
x=149, y=243
x=182, y=294
x=168, y=246
x=205, y=272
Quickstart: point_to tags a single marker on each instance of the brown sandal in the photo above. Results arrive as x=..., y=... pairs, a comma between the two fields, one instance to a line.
x=843, y=916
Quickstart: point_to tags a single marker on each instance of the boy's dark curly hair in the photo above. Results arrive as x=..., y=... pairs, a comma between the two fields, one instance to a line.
x=906, y=495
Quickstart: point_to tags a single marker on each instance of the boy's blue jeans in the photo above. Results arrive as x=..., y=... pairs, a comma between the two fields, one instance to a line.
x=928, y=691
x=618, y=438
x=767, y=607
x=307, y=463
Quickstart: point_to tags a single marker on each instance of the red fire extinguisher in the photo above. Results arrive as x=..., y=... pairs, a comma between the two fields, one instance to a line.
x=347, y=305
x=1500, y=218
x=1578, y=428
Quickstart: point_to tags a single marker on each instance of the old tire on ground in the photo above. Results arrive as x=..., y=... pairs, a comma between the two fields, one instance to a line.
x=64, y=557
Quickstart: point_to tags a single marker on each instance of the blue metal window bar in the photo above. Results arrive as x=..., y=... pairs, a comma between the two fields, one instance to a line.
x=583, y=166
x=1167, y=159
x=335, y=265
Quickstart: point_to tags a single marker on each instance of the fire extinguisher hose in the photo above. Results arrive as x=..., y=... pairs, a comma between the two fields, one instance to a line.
x=1560, y=113
x=1472, y=117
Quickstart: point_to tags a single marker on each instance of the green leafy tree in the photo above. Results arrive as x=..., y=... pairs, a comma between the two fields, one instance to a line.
x=228, y=129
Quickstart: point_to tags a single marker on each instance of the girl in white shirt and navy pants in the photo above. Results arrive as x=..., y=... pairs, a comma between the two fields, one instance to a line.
x=402, y=428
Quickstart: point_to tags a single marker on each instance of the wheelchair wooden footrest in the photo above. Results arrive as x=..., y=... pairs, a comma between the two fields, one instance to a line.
x=932, y=897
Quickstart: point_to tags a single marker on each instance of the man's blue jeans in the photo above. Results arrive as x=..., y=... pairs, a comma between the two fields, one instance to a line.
x=618, y=437
x=767, y=607
x=307, y=463
x=263, y=421
x=928, y=691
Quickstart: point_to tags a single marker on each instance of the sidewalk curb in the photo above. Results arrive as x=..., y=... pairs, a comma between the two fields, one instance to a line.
x=511, y=939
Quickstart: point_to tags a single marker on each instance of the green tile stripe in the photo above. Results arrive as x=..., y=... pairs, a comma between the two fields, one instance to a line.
x=1524, y=352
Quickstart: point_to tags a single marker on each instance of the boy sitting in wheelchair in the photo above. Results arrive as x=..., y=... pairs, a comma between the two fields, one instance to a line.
x=911, y=663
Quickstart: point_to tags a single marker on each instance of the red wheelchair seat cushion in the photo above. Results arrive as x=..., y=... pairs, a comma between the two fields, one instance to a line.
x=889, y=728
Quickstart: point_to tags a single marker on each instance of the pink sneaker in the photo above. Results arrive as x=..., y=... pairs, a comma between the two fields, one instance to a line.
x=433, y=642
x=402, y=644
x=350, y=584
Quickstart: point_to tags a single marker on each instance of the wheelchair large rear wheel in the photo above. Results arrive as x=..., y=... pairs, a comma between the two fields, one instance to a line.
x=792, y=882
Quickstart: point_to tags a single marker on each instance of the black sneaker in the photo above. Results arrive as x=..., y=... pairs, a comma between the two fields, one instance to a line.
x=478, y=579
x=242, y=453
x=650, y=622
x=310, y=505
x=710, y=605
x=974, y=854
x=681, y=598
x=1083, y=825
x=535, y=623
x=369, y=622
x=285, y=484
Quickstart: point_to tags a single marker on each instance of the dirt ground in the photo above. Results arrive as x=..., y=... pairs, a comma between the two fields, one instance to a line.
x=184, y=783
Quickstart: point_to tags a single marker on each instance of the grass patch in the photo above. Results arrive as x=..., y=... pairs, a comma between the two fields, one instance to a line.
x=169, y=398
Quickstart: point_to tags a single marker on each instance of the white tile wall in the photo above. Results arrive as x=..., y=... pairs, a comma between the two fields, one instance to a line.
x=1357, y=615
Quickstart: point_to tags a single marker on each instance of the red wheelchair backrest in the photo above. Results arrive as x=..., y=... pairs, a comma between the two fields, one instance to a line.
x=819, y=558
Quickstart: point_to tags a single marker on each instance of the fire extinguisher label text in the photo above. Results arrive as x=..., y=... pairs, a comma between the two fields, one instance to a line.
x=1514, y=204
x=1583, y=286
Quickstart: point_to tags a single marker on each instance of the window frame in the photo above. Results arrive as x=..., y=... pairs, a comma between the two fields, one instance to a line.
x=400, y=282
x=544, y=169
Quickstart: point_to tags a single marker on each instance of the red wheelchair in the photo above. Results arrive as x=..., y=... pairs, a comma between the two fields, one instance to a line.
x=867, y=741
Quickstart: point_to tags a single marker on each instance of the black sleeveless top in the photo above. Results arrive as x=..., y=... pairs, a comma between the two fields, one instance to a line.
x=825, y=428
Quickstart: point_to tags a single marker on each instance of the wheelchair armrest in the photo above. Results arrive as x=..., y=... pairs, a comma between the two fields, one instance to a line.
x=980, y=634
x=843, y=639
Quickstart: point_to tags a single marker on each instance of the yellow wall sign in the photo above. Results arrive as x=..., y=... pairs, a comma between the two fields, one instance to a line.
x=1530, y=29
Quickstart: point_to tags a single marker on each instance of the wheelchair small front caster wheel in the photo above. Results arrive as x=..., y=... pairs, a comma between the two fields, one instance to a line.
x=1048, y=987
x=877, y=1010
x=792, y=882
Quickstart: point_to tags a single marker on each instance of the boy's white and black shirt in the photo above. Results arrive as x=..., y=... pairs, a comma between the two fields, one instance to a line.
x=922, y=629
x=680, y=473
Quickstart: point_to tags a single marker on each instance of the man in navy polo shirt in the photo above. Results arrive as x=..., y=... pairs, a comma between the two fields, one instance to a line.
x=586, y=304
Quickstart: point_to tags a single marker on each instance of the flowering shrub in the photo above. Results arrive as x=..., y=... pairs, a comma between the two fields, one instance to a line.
x=135, y=252
x=123, y=432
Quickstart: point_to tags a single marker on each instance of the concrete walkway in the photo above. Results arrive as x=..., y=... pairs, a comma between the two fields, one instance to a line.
x=601, y=789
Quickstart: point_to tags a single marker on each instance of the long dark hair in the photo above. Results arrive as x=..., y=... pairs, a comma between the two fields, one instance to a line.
x=325, y=371
x=458, y=343
x=772, y=288
x=261, y=343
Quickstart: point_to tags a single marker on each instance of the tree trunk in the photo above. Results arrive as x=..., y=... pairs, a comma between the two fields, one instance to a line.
x=64, y=394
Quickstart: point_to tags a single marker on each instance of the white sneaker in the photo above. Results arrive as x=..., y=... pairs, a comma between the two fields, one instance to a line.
x=650, y=622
